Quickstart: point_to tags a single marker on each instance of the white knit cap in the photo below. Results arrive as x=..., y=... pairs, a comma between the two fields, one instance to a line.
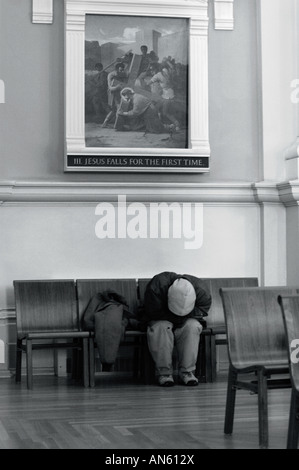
x=181, y=297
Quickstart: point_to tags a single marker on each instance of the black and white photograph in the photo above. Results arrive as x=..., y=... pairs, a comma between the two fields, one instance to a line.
x=136, y=82
x=149, y=229
x=131, y=103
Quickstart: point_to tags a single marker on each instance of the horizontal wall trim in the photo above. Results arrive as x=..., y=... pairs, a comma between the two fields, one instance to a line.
x=289, y=193
x=6, y=374
x=222, y=192
x=7, y=314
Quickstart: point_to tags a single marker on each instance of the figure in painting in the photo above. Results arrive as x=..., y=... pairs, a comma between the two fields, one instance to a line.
x=116, y=82
x=137, y=112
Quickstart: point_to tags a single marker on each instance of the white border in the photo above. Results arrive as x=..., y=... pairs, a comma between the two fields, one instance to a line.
x=197, y=13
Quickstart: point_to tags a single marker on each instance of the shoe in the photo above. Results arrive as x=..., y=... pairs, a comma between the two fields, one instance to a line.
x=188, y=378
x=165, y=380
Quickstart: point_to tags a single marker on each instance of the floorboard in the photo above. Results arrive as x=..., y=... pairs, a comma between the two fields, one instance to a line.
x=121, y=413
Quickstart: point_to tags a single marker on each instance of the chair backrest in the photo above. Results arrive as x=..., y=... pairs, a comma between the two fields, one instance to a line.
x=254, y=324
x=142, y=283
x=290, y=311
x=45, y=305
x=87, y=288
x=216, y=314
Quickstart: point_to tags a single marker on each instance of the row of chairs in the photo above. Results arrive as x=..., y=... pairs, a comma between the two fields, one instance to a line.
x=49, y=315
x=261, y=325
x=52, y=310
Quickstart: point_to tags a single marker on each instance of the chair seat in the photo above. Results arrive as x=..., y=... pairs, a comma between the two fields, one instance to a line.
x=214, y=330
x=219, y=330
x=131, y=333
x=135, y=333
x=206, y=332
x=270, y=366
x=55, y=335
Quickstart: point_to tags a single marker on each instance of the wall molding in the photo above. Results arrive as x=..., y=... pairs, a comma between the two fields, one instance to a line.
x=266, y=192
x=224, y=14
x=84, y=192
x=286, y=192
x=42, y=11
x=8, y=313
x=2, y=92
x=289, y=193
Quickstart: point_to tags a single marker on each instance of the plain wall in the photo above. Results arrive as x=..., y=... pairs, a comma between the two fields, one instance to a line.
x=59, y=241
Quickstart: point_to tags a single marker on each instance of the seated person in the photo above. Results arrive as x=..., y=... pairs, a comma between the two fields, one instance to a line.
x=174, y=307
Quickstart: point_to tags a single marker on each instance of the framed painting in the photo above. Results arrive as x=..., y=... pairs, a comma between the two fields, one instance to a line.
x=136, y=86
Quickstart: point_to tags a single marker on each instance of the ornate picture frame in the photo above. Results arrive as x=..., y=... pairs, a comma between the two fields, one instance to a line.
x=152, y=57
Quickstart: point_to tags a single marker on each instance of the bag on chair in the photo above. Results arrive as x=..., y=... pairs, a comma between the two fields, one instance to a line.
x=108, y=316
x=109, y=330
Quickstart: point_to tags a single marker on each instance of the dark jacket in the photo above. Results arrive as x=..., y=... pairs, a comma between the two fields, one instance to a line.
x=108, y=316
x=156, y=299
x=99, y=302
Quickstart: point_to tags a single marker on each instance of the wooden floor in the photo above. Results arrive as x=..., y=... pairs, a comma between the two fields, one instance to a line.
x=120, y=413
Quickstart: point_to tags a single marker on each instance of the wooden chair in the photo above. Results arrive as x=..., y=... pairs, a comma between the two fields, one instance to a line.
x=290, y=310
x=86, y=289
x=256, y=345
x=46, y=315
x=215, y=332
